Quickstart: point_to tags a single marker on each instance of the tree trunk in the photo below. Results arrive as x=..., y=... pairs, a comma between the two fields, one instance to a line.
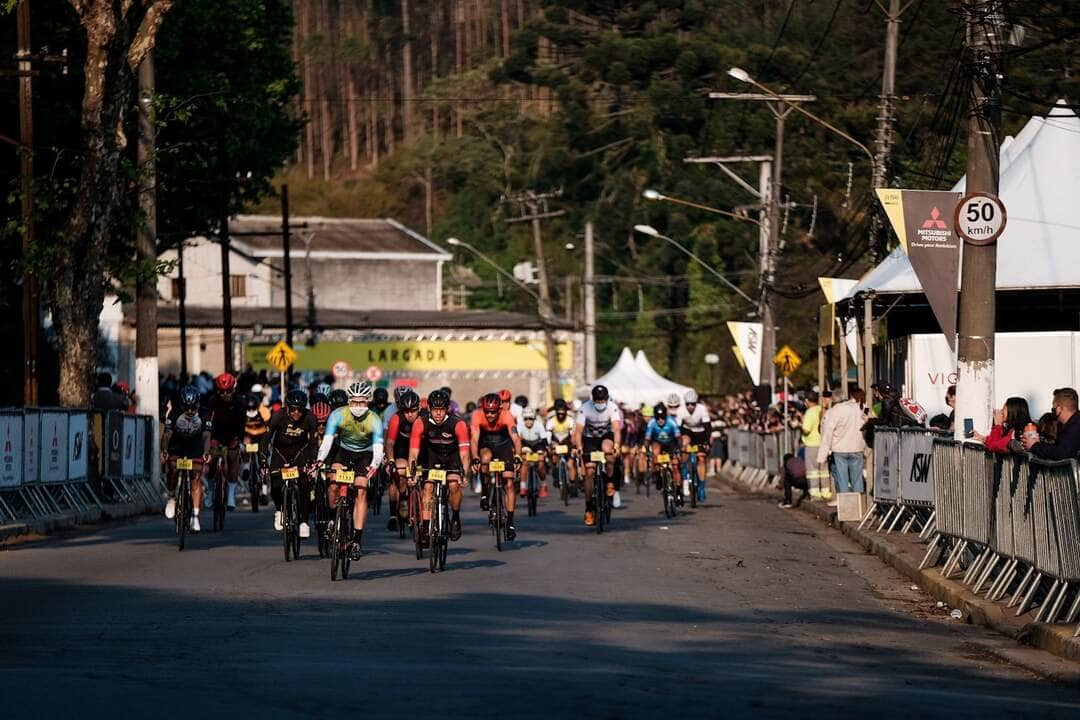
x=406, y=73
x=309, y=92
x=373, y=127
x=505, y=8
x=434, y=38
x=459, y=57
x=354, y=138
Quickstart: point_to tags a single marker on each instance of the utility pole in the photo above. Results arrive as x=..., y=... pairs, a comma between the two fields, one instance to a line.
x=182, y=309
x=977, y=317
x=287, y=264
x=533, y=208
x=146, y=322
x=590, y=304
x=26, y=171
x=223, y=236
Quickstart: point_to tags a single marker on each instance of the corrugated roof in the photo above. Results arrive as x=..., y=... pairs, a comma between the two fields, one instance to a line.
x=352, y=235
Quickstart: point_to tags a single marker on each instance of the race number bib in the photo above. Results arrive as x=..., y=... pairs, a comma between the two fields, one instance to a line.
x=533, y=457
x=663, y=458
x=251, y=447
x=437, y=475
x=344, y=476
x=561, y=449
x=597, y=456
x=289, y=473
x=496, y=466
x=183, y=463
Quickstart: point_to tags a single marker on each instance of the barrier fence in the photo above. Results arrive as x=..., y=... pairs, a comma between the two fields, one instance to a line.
x=56, y=462
x=761, y=454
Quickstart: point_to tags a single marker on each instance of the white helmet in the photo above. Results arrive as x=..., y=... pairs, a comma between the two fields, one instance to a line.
x=672, y=400
x=361, y=390
x=528, y=414
x=690, y=397
x=323, y=389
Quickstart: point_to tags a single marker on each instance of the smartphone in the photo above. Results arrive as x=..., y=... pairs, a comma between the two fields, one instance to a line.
x=969, y=427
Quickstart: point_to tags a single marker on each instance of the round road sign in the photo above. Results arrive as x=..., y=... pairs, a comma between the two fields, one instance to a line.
x=980, y=218
x=341, y=370
x=373, y=373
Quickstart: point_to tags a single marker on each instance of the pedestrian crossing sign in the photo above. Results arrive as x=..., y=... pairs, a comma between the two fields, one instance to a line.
x=281, y=356
x=787, y=360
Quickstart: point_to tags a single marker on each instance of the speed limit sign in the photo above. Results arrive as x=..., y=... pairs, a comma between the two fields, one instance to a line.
x=980, y=218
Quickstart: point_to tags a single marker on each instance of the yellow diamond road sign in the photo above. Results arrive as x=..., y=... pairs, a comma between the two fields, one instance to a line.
x=787, y=360
x=281, y=356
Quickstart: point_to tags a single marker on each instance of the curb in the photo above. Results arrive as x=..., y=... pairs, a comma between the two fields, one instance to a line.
x=47, y=525
x=1055, y=639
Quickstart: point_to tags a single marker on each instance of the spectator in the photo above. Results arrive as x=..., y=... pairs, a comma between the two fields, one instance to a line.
x=950, y=400
x=1067, y=443
x=841, y=437
x=1048, y=428
x=817, y=475
x=794, y=477
x=1008, y=429
x=105, y=398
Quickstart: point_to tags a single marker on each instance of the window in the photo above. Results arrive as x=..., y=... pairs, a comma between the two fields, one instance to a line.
x=176, y=286
x=237, y=285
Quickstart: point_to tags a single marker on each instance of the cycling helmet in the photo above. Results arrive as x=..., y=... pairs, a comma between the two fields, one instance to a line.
x=252, y=402
x=360, y=390
x=323, y=389
x=490, y=401
x=521, y=401
x=296, y=399
x=528, y=414
x=122, y=387
x=560, y=405
x=690, y=397
x=410, y=401
x=189, y=397
x=338, y=398
x=438, y=399
x=672, y=400
x=660, y=413
x=446, y=389
x=225, y=383
x=399, y=391
x=321, y=410
x=380, y=397
x=599, y=393
x=504, y=396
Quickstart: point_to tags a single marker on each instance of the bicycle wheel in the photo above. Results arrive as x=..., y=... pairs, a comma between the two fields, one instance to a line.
x=346, y=561
x=294, y=510
x=693, y=481
x=219, y=500
x=415, y=521
x=253, y=482
x=564, y=483
x=286, y=521
x=335, y=542
x=496, y=510
x=599, y=496
x=183, y=507
x=532, y=491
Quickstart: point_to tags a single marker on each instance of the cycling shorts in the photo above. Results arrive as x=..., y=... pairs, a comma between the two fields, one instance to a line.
x=501, y=452
x=590, y=445
x=353, y=460
x=699, y=437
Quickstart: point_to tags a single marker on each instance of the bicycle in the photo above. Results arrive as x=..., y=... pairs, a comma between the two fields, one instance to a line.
x=692, y=475
x=403, y=503
x=217, y=471
x=416, y=519
x=254, y=477
x=497, y=515
x=184, y=467
x=532, y=484
x=322, y=512
x=601, y=498
x=669, y=492
x=562, y=473
x=439, y=527
x=290, y=513
x=640, y=477
x=376, y=489
x=342, y=532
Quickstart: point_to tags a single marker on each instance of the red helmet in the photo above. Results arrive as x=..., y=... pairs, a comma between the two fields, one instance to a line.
x=321, y=410
x=122, y=387
x=225, y=383
x=505, y=395
x=490, y=402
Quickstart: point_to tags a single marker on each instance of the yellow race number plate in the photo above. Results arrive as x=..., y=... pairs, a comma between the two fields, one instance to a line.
x=496, y=466
x=437, y=475
x=251, y=447
x=692, y=448
x=597, y=456
x=561, y=449
x=344, y=476
x=289, y=473
x=663, y=458
x=533, y=457
x=183, y=463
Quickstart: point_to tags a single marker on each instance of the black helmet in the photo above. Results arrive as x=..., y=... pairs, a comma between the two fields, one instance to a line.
x=296, y=399
x=252, y=402
x=409, y=401
x=560, y=405
x=338, y=398
x=521, y=401
x=438, y=399
x=599, y=393
x=381, y=395
x=446, y=389
x=189, y=397
x=659, y=412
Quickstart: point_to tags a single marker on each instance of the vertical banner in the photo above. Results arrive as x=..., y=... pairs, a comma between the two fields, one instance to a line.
x=924, y=222
x=78, y=450
x=114, y=444
x=917, y=470
x=748, y=339
x=31, y=445
x=11, y=452
x=54, y=452
x=140, y=446
x=886, y=464
x=127, y=466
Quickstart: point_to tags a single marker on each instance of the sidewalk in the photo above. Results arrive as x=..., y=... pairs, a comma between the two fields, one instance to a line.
x=17, y=531
x=904, y=552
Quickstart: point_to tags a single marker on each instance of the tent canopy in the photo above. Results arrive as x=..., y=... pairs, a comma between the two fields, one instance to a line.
x=1039, y=185
x=635, y=382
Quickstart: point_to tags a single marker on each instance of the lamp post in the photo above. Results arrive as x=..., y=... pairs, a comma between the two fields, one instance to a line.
x=712, y=360
x=653, y=232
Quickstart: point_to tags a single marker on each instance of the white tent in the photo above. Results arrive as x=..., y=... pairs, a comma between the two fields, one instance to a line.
x=1039, y=185
x=668, y=385
x=636, y=384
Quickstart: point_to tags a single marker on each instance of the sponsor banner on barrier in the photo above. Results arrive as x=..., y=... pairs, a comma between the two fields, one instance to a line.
x=886, y=460
x=141, y=435
x=31, y=445
x=54, y=438
x=77, y=447
x=916, y=468
x=11, y=450
x=127, y=467
x=114, y=444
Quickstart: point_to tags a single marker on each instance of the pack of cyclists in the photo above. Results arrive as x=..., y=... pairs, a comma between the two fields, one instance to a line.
x=358, y=435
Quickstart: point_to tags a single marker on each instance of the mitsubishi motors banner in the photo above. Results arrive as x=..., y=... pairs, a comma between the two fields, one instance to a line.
x=923, y=221
x=748, y=340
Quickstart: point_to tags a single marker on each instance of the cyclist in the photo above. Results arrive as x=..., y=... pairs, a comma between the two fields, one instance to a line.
x=398, y=433
x=359, y=433
x=494, y=436
x=338, y=398
x=293, y=438
x=455, y=409
x=662, y=436
x=534, y=439
x=187, y=435
x=256, y=421
x=322, y=392
x=228, y=418
x=380, y=400
x=560, y=427
x=695, y=424
x=392, y=408
x=597, y=428
x=441, y=438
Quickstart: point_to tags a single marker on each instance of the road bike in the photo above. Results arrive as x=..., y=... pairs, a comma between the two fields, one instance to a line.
x=532, y=482
x=322, y=512
x=342, y=530
x=497, y=512
x=403, y=502
x=639, y=477
x=290, y=513
x=562, y=473
x=439, y=527
x=218, y=470
x=376, y=489
x=184, y=467
x=254, y=476
x=415, y=518
x=669, y=491
x=601, y=496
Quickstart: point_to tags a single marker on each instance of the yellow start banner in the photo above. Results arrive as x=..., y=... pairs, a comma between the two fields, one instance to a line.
x=421, y=355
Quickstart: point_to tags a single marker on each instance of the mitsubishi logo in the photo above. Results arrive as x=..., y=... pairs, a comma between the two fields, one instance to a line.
x=934, y=222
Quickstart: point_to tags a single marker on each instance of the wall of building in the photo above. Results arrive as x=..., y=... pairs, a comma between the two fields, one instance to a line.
x=360, y=284
x=202, y=270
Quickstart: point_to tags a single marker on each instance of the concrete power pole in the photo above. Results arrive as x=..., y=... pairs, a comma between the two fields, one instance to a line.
x=977, y=317
x=590, y=305
x=30, y=320
x=146, y=325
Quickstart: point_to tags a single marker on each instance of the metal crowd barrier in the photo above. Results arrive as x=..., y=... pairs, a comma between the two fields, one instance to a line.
x=903, y=480
x=760, y=456
x=56, y=462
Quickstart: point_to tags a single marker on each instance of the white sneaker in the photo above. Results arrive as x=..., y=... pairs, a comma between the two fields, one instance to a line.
x=616, y=500
x=170, y=508
x=686, y=490
x=277, y=520
x=195, y=524
x=305, y=531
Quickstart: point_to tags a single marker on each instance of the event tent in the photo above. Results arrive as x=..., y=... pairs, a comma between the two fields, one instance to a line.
x=1039, y=185
x=634, y=382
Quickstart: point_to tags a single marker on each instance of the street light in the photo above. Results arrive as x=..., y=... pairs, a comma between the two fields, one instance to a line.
x=654, y=195
x=712, y=360
x=454, y=242
x=653, y=232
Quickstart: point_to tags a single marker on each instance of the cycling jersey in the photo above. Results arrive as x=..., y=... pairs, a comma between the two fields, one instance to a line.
x=695, y=422
x=353, y=433
x=440, y=443
x=256, y=427
x=228, y=418
x=495, y=434
x=597, y=423
x=293, y=442
x=665, y=434
x=535, y=437
x=631, y=431
x=186, y=432
x=398, y=432
x=561, y=430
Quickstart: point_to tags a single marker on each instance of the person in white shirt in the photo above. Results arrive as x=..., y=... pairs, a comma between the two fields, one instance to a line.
x=694, y=425
x=534, y=440
x=841, y=436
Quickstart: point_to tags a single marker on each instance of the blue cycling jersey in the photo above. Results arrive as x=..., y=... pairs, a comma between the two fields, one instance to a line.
x=355, y=434
x=664, y=434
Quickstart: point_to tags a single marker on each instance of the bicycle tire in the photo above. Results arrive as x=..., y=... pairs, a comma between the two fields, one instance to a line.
x=286, y=521
x=496, y=509
x=295, y=511
x=335, y=542
x=219, y=501
x=599, y=494
x=183, y=500
x=416, y=522
x=254, y=480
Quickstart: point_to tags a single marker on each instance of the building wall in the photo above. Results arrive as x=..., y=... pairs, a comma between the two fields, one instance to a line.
x=202, y=269
x=360, y=284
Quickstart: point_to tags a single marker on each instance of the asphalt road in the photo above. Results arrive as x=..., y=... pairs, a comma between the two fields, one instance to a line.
x=737, y=609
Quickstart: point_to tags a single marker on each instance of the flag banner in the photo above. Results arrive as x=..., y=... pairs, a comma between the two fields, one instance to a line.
x=835, y=288
x=748, y=339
